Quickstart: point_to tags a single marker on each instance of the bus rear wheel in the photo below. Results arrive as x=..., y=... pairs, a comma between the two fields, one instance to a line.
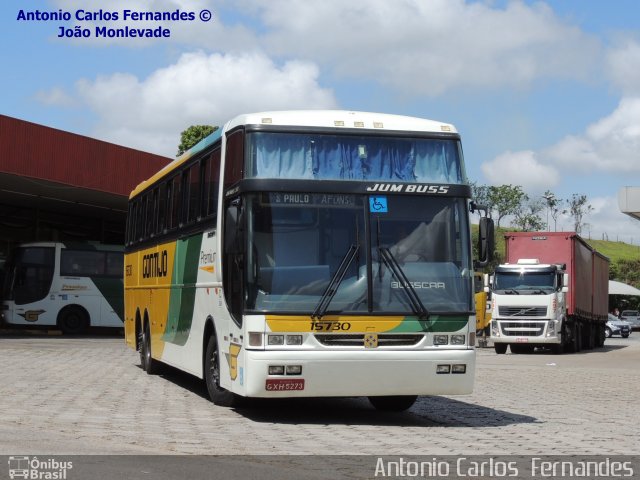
x=217, y=394
x=73, y=320
x=147, y=362
x=393, y=403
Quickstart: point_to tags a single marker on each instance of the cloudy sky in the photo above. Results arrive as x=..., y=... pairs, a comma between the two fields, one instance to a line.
x=546, y=95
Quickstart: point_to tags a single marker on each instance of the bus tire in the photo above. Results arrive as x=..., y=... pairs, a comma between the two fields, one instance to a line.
x=393, y=403
x=148, y=363
x=73, y=320
x=217, y=394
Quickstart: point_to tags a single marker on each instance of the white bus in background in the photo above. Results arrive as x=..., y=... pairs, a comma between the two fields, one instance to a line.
x=72, y=286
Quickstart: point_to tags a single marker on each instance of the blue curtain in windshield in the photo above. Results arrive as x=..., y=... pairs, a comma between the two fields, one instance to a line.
x=328, y=157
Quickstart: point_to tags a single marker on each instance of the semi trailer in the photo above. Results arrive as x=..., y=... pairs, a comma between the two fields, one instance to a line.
x=552, y=291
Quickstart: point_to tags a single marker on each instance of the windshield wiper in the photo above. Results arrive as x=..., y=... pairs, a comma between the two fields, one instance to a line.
x=334, y=283
x=392, y=264
x=511, y=292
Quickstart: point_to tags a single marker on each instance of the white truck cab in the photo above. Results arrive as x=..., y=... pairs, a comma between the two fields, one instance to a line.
x=528, y=305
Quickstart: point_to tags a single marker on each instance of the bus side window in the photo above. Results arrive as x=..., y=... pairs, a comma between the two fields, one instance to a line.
x=184, y=197
x=130, y=237
x=173, y=197
x=210, y=185
x=154, y=211
x=234, y=159
x=193, y=193
x=140, y=220
x=214, y=184
x=162, y=209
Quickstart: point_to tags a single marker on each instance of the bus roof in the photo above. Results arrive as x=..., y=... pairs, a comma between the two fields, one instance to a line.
x=333, y=119
x=341, y=119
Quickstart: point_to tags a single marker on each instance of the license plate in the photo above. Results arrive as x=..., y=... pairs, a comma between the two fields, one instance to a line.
x=284, y=384
x=522, y=340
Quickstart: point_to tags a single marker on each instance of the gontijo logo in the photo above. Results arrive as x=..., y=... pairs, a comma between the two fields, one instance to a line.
x=36, y=469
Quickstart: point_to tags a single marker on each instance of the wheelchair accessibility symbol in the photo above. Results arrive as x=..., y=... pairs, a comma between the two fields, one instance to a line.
x=378, y=204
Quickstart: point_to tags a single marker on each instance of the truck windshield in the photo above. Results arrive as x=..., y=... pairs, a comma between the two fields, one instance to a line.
x=543, y=282
x=298, y=242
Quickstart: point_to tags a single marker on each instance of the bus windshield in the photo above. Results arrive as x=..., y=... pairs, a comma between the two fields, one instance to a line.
x=30, y=274
x=354, y=157
x=297, y=242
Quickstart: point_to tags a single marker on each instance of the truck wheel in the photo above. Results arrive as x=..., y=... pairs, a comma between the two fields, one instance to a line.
x=500, y=348
x=579, y=337
x=600, y=336
x=607, y=332
x=570, y=338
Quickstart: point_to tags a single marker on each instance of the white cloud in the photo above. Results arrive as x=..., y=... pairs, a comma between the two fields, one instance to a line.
x=150, y=113
x=606, y=222
x=430, y=47
x=411, y=46
x=521, y=168
x=623, y=64
x=55, y=97
x=611, y=144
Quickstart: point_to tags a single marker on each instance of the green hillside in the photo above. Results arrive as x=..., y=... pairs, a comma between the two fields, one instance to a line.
x=616, y=251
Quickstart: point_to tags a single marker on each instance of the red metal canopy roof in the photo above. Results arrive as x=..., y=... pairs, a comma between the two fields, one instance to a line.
x=38, y=152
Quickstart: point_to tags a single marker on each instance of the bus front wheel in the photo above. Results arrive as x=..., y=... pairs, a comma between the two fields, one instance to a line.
x=73, y=320
x=217, y=394
x=393, y=403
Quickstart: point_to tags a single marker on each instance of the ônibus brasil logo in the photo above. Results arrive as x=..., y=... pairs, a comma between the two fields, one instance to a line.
x=36, y=469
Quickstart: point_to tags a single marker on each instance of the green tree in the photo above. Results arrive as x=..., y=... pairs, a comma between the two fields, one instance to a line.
x=554, y=207
x=578, y=208
x=192, y=135
x=505, y=200
x=527, y=216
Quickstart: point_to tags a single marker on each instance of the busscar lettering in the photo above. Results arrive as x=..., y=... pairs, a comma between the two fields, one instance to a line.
x=419, y=285
x=155, y=265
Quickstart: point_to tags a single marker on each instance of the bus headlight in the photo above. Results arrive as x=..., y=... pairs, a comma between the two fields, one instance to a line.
x=275, y=340
x=457, y=339
x=294, y=339
x=440, y=339
x=459, y=368
x=443, y=369
x=276, y=369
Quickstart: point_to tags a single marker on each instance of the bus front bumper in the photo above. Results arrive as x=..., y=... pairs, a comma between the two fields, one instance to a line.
x=359, y=373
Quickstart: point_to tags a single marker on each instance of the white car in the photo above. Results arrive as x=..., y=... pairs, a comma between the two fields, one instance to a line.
x=615, y=326
x=631, y=316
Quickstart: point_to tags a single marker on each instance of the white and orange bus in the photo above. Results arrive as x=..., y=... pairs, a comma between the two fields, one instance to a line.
x=308, y=254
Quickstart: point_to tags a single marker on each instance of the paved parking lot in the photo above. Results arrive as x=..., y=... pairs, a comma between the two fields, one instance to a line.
x=88, y=396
